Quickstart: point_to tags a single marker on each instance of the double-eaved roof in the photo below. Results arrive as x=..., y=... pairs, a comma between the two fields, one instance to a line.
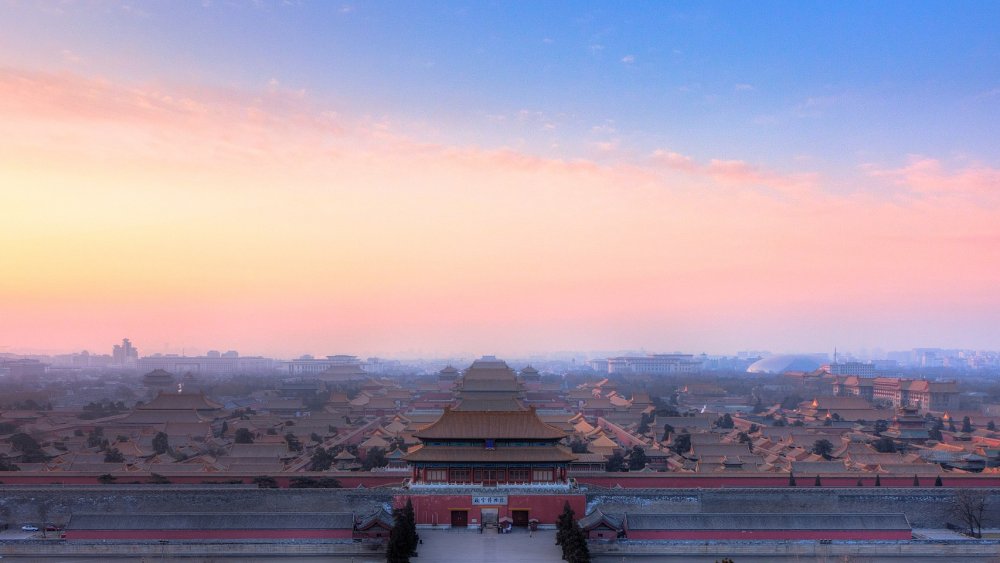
x=472, y=454
x=493, y=425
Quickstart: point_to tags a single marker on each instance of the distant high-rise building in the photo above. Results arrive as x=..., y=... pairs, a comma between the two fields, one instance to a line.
x=853, y=368
x=125, y=355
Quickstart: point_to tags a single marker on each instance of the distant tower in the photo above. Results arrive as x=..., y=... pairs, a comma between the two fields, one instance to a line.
x=125, y=355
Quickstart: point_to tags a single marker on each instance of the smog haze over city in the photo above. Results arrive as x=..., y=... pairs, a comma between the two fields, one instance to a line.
x=412, y=179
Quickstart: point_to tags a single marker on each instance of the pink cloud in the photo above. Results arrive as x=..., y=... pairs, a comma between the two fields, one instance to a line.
x=735, y=172
x=928, y=177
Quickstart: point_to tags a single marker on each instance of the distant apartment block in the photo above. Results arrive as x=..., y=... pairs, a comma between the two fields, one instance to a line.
x=652, y=364
x=22, y=368
x=125, y=355
x=307, y=365
x=860, y=369
x=213, y=363
x=913, y=393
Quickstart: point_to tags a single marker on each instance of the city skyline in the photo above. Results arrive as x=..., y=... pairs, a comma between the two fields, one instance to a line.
x=450, y=179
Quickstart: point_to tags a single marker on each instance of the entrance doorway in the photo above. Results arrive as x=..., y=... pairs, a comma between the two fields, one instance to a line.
x=459, y=518
x=520, y=518
x=490, y=517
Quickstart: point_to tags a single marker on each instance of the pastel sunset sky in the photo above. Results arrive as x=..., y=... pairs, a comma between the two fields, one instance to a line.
x=435, y=178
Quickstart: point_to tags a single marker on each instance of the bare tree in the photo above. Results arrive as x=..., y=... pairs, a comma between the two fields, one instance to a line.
x=969, y=506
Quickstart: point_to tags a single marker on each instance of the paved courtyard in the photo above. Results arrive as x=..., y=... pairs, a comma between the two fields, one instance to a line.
x=463, y=546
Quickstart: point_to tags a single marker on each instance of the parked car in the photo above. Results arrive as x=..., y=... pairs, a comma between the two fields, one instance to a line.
x=29, y=528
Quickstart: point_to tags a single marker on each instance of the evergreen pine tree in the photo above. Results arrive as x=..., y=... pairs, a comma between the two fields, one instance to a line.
x=411, y=526
x=916, y=481
x=878, y=481
x=817, y=483
x=937, y=482
x=791, y=479
x=398, y=550
x=564, y=525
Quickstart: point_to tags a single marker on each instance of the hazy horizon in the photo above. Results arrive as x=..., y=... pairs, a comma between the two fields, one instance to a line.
x=376, y=178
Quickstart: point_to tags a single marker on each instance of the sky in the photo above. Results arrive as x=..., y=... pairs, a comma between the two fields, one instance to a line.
x=437, y=178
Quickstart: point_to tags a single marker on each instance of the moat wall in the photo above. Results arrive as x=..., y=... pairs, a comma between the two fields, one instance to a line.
x=924, y=507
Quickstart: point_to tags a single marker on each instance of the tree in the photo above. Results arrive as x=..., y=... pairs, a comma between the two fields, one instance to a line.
x=106, y=479
x=578, y=446
x=938, y=482
x=817, y=483
x=563, y=523
x=878, y=480
x=310, y=483
x=321, y=460
x=293, y=442
x=682, y=444
x=243, y=436
x=881, y=426
x=758, y=406
x=935, y=434
x=31, y=451
x=790, y=402
x=410, y=519
x=265, y=482
x=991, y=426
x=967, y=425
x=916, y=480
x=157, y=479
x=744, y=438
x=571, y=537
x=398, y=550
x=375, y=457
x=616, y=462
x=725, y=421
x=643, y=425
x=884, y=445
x=823, y=447
x=791, y=479
x=969, y=505
x=667, y=431
x=637, y=459
x=6, y=465
x=161, y=443
x=114, y=456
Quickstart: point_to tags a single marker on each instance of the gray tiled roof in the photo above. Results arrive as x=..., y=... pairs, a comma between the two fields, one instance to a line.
x=214, y=521
x=766, y=521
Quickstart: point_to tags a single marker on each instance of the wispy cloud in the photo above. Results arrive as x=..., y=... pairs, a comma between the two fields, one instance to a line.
x=929, y=177
x=628, y=59
x=736, y=172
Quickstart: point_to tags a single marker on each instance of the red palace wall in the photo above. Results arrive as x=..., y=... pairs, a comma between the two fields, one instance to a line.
x=686, y=481
x=769, y=535
x=353, y=479
x=432, y=509
x=205, y=534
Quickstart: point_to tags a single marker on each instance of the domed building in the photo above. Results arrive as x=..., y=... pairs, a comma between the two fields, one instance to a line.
x=786, y=363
